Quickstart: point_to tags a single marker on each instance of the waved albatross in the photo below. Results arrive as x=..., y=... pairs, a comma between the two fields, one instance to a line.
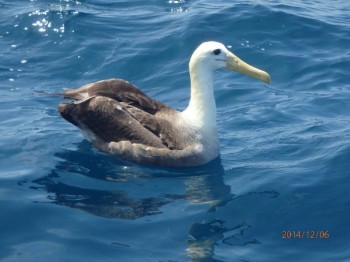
x=120, y=119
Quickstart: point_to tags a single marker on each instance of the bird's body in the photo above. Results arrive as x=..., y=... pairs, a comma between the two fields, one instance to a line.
x=120, y=119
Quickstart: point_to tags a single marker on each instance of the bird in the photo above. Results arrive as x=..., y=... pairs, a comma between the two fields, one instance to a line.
x=119, y=119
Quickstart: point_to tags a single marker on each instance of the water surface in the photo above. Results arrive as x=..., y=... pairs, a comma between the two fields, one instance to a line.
x=285, y=148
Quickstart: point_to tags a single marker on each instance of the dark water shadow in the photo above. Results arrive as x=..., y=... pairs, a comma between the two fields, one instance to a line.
x=205, y=235
x=111, y=188
x=202, y=185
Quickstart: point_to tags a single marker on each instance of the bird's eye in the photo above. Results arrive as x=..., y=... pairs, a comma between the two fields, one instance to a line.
x=216, y=51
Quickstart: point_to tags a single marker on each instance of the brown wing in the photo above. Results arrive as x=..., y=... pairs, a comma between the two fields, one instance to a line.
x=119, y=90
x=115, y=110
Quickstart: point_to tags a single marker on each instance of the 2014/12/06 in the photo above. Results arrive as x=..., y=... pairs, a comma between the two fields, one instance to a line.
x=312, y=234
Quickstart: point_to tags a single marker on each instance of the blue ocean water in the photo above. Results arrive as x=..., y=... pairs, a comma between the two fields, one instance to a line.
x=280, y=190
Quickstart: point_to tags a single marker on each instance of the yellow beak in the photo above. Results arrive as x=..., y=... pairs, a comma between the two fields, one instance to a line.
x=236, y=64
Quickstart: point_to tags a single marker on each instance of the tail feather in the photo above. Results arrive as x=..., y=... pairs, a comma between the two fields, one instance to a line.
x=43, y=93
x=65, y=109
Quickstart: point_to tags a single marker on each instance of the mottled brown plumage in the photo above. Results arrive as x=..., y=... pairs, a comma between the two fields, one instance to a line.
x=115, y=110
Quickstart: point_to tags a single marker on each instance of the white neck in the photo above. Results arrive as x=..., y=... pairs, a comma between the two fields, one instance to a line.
x=201, y=110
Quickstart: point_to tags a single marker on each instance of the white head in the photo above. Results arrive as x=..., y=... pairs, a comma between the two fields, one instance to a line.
x=210, y=56
x=207, y=58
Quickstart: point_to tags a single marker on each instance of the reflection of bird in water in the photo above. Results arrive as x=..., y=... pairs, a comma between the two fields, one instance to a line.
x=103, y=203
x=120, y=119
x=121, y=199
x=211, y=232
x=99, y=189
x=207, y=189
x=204, y=236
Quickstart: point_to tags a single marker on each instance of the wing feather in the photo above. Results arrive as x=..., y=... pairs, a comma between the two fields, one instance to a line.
x=108, y=120
x=115, y=110
x=119, y=90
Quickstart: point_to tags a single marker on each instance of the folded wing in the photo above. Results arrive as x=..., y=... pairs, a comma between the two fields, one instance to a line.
x=114, y=110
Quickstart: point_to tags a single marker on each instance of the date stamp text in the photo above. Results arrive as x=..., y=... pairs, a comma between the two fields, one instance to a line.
x=309, y=234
